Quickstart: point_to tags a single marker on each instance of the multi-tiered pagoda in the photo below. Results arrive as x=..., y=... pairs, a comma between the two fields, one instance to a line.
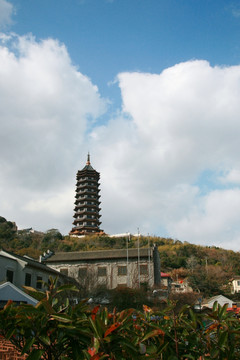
x=87, y=201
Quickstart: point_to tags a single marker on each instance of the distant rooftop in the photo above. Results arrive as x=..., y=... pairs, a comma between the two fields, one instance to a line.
x=98, y=255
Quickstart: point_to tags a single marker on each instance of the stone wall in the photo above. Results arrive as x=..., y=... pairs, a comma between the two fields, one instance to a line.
x=8, y=351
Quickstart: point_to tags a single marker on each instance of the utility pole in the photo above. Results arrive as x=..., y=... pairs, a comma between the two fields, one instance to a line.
x=128, y=240
x=138, y=260
x=148, y=258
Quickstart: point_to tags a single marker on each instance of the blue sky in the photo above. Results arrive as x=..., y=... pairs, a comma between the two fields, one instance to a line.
x=107, y=37
x=151, y=88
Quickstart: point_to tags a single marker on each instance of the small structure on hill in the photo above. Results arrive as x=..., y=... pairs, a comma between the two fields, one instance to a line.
x=221, y=300
x=87, y=209
x=235, y=285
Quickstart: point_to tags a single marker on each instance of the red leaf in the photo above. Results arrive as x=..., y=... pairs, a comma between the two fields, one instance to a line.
x=112, y=328
x=147, y=308
x=7, y=304
x=94, y=311
x=92, y=351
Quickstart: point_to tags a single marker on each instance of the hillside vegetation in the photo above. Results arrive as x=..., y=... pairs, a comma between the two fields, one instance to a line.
x=208, y=268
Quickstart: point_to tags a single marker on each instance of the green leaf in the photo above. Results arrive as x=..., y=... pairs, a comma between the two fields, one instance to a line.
x=223, y=311
x=45, y=339
x=223, y=338
x=151, y=349
x=94, y=327
x=214, y=353
x=36, y=294
x=189, y=356
x=61, y=318
x=29, y=343
x=152, y=334
x=36, y=354
x=10, y=333
x=67, y=287
x=215, y=306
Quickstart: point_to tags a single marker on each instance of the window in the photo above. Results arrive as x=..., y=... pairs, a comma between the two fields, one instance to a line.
x=64, y=271
x=122, y=286
x=82, y=272
x=122, y=270
x=9, y=275
x=28, y=278
x=143, y=269
x=39, y=282
x=238, y=283
x=102, y=271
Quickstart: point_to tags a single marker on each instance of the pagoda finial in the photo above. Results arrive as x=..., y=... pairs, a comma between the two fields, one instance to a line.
x=88, y=159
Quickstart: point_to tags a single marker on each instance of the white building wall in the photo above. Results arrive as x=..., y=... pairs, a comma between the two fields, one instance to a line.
x=19, y=271
x=112, y=279
x=236, y=286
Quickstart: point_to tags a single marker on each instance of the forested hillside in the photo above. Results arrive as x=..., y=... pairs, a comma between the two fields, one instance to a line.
x=208, y=268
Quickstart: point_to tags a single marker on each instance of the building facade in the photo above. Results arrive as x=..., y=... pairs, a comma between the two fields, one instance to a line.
x=87, y=204
x=109, y=268
x=24, y=271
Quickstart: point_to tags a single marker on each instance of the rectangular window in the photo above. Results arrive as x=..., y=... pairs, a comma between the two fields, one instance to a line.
x=121, y=286
x=82, y=272
x=9, y=275
x=39, y=282
x=102, y=271
x=143, y=269
x=64, y=271
x=28, y=278
x=238, y=283
x=122, y=270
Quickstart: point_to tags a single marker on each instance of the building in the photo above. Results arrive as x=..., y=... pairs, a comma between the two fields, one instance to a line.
x=220, y=299
x=110, y=268
x=181, y=286
x=235, y=285
x=8, y=291
x=87, y=209
x=166, y=281
x=24, y=271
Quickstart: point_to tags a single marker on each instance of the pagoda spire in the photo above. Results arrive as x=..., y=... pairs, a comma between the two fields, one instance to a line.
x=88, y=159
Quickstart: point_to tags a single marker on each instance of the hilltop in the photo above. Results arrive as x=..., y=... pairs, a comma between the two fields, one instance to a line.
x=208, y=268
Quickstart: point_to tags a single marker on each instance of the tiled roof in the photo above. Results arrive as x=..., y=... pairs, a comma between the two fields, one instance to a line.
x=31, y=262
x=88, y=167
x=98, y=255
x=164, y=275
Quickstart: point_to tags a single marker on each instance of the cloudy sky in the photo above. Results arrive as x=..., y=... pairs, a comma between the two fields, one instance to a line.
x=151, y=88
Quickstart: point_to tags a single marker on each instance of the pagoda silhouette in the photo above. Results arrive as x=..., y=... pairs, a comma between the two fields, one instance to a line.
x=87, y=209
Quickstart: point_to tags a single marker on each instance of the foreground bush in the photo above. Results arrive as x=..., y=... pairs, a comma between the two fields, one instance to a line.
x=56, y=330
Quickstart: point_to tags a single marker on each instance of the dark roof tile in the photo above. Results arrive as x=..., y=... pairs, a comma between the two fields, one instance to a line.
x=98, y=255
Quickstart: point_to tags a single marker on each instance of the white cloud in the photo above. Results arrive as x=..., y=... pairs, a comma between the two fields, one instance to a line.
x=175, y=126
x=231, y=177
x=213, y=219
x=45, y=106
x=6, y=12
